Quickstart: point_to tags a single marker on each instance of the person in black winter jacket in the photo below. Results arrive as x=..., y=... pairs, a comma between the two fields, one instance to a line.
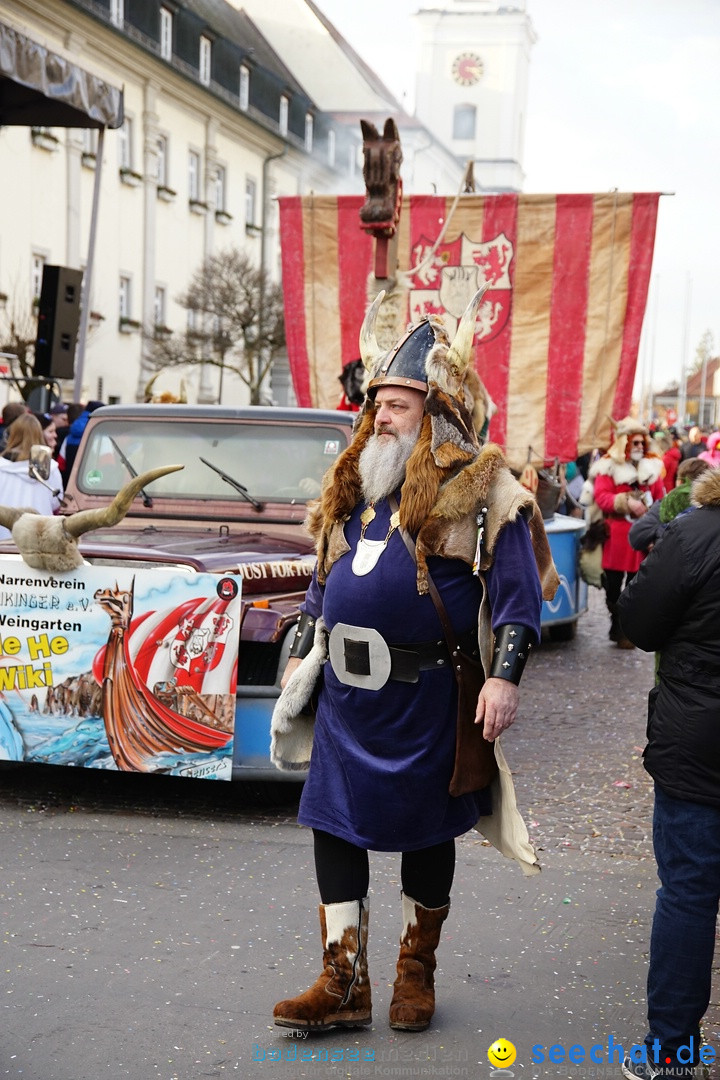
x=673, y=607
x=648, y=529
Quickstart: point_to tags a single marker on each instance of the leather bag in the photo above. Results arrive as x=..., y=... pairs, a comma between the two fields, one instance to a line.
x=475, y=765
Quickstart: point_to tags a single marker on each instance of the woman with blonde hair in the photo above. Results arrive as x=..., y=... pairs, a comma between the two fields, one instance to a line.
x=18, y=487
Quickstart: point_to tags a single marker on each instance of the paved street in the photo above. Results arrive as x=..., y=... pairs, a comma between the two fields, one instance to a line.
x=149, y=925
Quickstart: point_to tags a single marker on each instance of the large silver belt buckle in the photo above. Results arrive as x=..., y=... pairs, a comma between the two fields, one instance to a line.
x=359, y=656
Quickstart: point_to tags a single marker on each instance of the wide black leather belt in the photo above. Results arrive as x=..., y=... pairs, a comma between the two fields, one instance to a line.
x=361, y=657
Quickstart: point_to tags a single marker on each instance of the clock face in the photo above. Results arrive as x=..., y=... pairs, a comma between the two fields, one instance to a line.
x=467, y=69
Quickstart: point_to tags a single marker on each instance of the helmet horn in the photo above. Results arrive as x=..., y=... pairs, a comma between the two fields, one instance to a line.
x=370, y=351
x=460, y=353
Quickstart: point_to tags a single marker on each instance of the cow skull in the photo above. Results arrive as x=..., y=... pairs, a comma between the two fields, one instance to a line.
x=51, y=543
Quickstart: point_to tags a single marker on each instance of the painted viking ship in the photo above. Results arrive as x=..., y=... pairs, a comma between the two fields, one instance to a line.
x=165, y=679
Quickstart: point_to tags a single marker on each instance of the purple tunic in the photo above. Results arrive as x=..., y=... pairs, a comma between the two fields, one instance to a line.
x=382, y=759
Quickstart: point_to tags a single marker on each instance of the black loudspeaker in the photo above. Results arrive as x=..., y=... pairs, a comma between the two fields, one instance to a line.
x=58, y=321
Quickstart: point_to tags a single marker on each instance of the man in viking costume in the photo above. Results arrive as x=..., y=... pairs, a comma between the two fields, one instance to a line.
x=414, y=505
x=627, y=481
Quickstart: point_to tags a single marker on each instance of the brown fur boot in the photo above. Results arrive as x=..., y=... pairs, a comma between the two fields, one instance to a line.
x=413, y=1001
x=340, y=997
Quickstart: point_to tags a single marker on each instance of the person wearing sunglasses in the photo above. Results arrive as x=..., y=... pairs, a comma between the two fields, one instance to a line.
x=627, y=480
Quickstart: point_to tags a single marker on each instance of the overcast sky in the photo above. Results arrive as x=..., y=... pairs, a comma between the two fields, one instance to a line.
x=623, y=94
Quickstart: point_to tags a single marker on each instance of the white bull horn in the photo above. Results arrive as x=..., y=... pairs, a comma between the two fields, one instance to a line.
x=10, y=514
x=105, y=516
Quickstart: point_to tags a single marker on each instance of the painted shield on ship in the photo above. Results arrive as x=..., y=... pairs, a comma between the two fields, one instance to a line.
x=446, y=283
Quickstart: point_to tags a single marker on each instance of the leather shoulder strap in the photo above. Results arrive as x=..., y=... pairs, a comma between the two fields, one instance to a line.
x=432, y=588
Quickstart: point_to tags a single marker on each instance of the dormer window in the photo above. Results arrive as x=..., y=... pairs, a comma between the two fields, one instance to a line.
x=166, y=28
x=205, y=59
x=117, y=12
x=284, y=111
x=309, y=132
x=244, y=87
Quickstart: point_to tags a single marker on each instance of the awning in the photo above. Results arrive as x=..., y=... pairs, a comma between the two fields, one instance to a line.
x=39, y=88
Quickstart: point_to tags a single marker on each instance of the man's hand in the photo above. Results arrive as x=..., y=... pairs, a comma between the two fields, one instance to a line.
x=497, y=707
x=292, y=665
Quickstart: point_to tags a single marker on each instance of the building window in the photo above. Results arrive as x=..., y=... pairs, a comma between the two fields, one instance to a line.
x=89, y=138
x=464, y=122
x=162, y=160
x=124, y=298
x=194, y=176
x=283, y=120
x=220, y=188
x=331, y=148
x=352, y=160
x=117, y=12
x=90, y=141
x=36, y=275
x=250, y=200
x=125, y=144
x=205, y=57
x=166, y=28
x=159, y=306
x=244, y=87
x=308, y=132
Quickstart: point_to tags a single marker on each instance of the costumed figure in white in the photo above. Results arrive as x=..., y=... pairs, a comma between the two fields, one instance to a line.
x=625, y=482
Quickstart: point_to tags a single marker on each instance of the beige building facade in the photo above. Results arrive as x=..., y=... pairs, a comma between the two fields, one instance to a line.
x=227, y=107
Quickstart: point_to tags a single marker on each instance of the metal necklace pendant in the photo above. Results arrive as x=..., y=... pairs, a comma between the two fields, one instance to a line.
x=366, y=556
x=367, y=516
x=368, y=552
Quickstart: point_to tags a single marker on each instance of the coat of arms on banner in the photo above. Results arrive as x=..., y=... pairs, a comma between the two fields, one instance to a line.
x=457, y=270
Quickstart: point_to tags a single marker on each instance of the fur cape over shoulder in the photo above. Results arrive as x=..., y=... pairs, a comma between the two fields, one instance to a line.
x=441, y=498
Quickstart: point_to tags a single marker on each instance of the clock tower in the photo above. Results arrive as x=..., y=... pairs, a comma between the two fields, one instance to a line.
x=472, y=82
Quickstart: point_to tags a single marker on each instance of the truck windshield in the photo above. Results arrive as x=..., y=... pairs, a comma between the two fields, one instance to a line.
x=272, y=461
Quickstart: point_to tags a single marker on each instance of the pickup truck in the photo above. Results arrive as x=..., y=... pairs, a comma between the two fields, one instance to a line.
x=236, y=508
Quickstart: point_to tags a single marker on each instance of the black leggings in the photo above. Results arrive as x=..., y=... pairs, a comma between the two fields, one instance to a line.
x=343, y=871
x=614, y=582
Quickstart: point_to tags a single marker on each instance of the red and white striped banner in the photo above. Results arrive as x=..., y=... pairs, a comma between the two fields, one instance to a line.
x=558, y=330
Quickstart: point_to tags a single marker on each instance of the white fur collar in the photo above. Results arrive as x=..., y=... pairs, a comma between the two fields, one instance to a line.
x=646, y=472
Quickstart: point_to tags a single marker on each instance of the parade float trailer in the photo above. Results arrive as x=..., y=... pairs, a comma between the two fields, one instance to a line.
x=152, y=638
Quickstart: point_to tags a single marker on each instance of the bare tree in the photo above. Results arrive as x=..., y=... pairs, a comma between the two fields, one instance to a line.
x=18, y=330
x=704, y=351
x=237, y=322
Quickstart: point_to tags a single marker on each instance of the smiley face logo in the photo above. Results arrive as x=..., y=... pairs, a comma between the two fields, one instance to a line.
x=502, y=1053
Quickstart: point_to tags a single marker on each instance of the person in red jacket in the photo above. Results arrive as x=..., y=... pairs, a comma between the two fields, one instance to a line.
x=671, y=459
x=628, y=479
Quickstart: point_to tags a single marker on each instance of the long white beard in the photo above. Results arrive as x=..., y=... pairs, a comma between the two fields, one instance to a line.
x=382, y=464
